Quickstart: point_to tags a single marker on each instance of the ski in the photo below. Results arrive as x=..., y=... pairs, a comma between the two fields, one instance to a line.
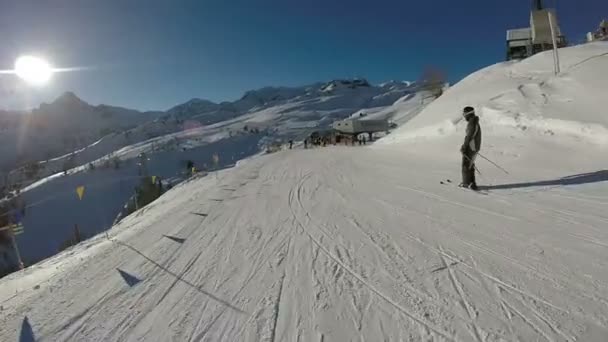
x=449, y=182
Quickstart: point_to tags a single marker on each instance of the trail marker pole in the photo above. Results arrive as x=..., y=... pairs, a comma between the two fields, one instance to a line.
x=216, y=163
x=554, y=41
x=15, y=229
x=16, y=248
x=136, y=199
x=80, y=194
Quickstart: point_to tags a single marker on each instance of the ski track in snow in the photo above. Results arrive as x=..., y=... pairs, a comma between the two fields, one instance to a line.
x=333, y=244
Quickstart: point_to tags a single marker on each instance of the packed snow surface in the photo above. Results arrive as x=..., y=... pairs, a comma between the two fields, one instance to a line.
x=337, y=244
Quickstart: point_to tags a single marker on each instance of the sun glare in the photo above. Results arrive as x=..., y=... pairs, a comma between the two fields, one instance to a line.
x=33, y=70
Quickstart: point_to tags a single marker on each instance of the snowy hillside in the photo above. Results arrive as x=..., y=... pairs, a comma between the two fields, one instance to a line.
x=346, y=244
x=527, y=96
x=194, y=131
x=400, y=112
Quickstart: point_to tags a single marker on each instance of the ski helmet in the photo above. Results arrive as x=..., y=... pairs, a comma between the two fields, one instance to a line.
x=468, y=110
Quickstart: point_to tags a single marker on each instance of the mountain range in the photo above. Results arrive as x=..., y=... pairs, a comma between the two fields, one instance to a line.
x=71, y=127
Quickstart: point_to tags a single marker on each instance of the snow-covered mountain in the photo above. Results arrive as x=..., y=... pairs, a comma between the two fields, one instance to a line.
x=330, y=100
x=196, y=108
x=60, y=127
x=344, y=243
x=286, y=111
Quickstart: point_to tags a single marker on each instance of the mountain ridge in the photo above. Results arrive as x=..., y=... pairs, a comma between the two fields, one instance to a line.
x=69, y=124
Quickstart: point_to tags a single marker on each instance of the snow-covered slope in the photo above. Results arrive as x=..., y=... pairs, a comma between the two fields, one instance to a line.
x=334, y=244
x=400, y=112
x=526, y=97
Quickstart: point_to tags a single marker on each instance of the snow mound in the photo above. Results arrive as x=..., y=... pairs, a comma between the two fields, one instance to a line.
x=526, y=97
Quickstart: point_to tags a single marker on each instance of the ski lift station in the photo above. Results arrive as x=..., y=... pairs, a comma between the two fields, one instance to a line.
x=601, y=34
x=525, y=42
x=357, y=126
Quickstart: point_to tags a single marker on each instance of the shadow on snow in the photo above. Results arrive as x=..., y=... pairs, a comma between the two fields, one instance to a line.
x=584, y=178
x=131, y=280
x=27, y=334
x=175, y=238
x=179, y=278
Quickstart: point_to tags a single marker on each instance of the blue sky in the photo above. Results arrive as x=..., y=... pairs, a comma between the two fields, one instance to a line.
x=154, y=54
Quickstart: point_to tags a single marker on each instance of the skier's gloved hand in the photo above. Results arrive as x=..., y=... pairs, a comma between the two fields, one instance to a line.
x=463, y=149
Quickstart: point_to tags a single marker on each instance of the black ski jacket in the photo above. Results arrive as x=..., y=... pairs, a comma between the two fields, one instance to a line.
x=472, y=141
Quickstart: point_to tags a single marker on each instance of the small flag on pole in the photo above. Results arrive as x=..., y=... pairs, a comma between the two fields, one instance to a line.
x=80, y=191
x=17, y=229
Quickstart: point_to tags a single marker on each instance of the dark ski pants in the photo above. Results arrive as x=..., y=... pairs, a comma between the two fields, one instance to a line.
x=468, y=168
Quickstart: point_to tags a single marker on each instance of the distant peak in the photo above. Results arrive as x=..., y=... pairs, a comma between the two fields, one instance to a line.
x=194, y=105
x=345, y=84
x=198, y=101
x=69, y=98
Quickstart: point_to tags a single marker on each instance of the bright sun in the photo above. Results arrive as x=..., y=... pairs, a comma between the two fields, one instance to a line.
x=33, y=70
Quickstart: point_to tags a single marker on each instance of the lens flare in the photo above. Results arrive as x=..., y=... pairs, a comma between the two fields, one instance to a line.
x=33, y=70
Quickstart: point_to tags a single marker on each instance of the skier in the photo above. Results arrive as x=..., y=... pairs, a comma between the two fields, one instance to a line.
x=305, y=143
x=189, y=165
x=470, y=148
x=290, y=144
x=159, y=184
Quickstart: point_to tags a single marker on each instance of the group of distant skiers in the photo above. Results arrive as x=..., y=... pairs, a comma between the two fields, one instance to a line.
x=324, y=141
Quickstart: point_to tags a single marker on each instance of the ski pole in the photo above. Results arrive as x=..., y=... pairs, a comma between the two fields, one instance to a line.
x=473, y=164
x=476, y=169
x=493, y=163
